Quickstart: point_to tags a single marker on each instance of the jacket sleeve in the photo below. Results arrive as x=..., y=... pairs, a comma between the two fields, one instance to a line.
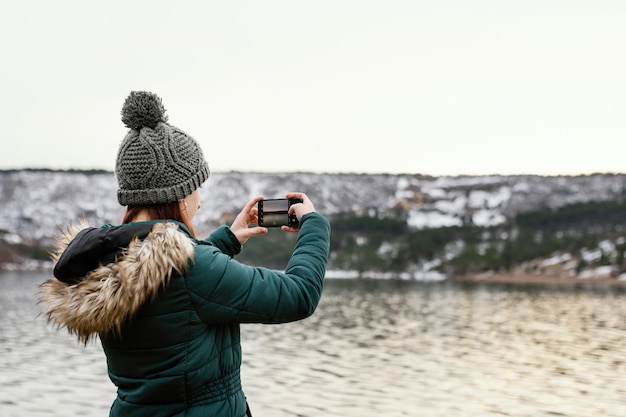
x=223, y=290
x=223, y=239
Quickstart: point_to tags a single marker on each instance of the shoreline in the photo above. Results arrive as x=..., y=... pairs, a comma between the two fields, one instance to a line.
x=512, y=277
x=524, y=278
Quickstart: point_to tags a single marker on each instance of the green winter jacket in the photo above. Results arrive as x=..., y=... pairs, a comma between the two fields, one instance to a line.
x=167, y=309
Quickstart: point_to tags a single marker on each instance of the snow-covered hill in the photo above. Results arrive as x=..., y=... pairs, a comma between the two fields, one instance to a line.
x=35, y=204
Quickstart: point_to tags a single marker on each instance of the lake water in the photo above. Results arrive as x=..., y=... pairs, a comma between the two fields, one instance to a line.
x=373, y=348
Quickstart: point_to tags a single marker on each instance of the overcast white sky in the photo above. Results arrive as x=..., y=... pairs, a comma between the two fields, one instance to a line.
x=442, y=87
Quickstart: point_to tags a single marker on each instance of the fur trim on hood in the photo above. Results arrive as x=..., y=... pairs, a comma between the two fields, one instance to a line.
x=110, y=295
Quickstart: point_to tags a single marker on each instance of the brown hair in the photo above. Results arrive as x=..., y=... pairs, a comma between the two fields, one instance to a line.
x=166, y=211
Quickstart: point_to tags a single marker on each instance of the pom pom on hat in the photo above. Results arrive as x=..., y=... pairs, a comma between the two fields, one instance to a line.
x=143, y=109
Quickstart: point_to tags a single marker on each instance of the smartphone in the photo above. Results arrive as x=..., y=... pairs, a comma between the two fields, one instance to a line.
x=275, y=212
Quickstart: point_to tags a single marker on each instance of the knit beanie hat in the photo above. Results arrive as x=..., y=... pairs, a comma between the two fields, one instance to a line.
x=156, y=162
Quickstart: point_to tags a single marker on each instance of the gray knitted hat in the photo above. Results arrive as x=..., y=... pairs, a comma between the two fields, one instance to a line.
x=157, y=162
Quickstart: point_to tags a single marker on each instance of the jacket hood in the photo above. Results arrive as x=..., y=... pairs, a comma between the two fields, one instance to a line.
x=110, y=294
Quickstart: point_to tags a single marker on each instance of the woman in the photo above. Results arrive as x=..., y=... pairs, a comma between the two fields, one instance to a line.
x=166, y=305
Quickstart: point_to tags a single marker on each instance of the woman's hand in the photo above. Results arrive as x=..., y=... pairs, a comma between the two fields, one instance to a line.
x=248, y=216
x=300, y=209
